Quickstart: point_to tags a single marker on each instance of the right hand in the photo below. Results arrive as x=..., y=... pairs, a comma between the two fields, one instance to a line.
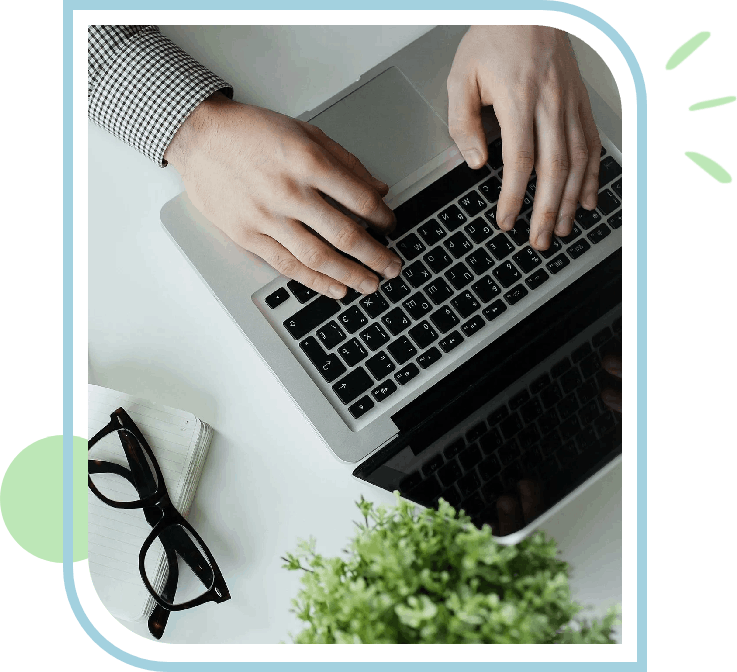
x=260, y=176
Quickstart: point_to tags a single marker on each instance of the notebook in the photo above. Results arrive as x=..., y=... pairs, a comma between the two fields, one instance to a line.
x=180, y=442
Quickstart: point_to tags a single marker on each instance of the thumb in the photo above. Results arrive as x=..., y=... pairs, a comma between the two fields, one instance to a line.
x=464, y=122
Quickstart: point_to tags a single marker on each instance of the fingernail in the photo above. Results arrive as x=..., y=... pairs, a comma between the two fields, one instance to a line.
x=369, y=286
x=543, y=239
x=337, y=292
x=508, y=222
x=392, y=270
x=473, y=157
x=565, y=223
x=590, y=202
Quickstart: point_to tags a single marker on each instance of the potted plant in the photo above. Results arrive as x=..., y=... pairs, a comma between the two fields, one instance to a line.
x=431, y=577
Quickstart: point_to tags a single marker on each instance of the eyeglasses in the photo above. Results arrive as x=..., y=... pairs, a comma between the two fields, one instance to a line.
x=141, y=486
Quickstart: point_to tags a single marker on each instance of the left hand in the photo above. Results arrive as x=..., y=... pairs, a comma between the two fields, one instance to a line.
x=530, y=75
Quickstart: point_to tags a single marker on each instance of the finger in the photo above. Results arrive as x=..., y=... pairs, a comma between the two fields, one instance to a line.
x=350, y=161
x=518, y=155
x=464, y=119
x=531, y=499
x=331, y=177
x=590, y=189
x=284, y=262
x=578, y=155
x=612, y=364
x=510, y=515
x=552, y=168
x=612, y=398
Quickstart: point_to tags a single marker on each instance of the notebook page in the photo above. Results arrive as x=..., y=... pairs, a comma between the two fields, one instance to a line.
x=115, y=536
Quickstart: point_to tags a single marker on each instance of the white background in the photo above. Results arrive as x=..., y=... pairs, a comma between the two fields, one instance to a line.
x=154, y=330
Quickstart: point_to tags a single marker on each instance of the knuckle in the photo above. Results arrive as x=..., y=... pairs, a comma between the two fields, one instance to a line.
x=547, y=219
x=523, y=162
x=313, y=257
x=579, y=155
x=348, y=237
x=370, y=201
x=559, y=164
x=285, y=264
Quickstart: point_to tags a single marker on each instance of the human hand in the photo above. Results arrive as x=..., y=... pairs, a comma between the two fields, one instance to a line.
x=530, y=75
x=260, y=176
x=612, y=394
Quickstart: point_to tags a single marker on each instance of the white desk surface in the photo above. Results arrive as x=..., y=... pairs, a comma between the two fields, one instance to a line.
x=156, y=331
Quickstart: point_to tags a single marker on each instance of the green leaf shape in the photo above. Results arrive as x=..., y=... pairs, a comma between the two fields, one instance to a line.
x=710, y=166
x=705, y=104
x=685, y=50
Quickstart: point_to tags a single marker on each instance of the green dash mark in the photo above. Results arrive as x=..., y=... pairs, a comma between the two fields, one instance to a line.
x=704, y=104
x=684, y=51
x=710, y=166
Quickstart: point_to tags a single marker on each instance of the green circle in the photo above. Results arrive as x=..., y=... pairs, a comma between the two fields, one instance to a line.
x=31, y=498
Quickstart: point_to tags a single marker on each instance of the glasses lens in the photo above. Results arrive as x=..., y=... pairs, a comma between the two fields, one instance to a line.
x=120, y=468
x=194, y=575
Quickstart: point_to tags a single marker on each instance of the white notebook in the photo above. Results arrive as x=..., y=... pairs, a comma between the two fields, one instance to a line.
x=180, y=442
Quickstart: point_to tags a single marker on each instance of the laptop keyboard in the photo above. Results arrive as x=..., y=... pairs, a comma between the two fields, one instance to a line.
x=461, y=272
x=553, y=430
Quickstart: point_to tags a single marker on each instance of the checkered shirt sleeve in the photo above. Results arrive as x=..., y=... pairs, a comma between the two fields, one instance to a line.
x=141, y=86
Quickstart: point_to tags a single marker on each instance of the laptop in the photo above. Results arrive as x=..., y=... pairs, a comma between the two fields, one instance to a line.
x=476, y=374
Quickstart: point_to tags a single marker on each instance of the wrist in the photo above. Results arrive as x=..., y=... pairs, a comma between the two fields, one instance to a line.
x=193, y=129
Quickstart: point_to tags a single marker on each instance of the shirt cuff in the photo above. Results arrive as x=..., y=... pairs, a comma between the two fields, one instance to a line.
x=147, y=92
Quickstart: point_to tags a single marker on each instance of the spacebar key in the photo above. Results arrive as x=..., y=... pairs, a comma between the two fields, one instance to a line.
x=311, y=316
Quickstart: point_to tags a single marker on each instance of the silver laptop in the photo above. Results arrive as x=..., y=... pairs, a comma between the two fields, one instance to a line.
x=428, y=383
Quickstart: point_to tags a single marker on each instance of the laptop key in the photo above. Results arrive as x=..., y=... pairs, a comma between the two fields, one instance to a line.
x=438, y=291
x=352, y=352
x=494, y=310
x=536, y=279
x=450, y=473
x=479, y=261
x=473, y=504
x=575, y=233
x=555, y=246
x=520, y=232
x=433, y=465
x=617, y=188
x=429, y=357
x=500, y=246
x=510, y=425
x=528, y=437
x=489, y=468
x=423, y=334
x=557, y=264
x=395, y=289
x=374, y=336
x=458, y=245
x=580, y=352
x=329, y=366
x=459, y=275
x=478, y=230
x=608, y=170
x=381, y=392
x=451, y=218
x=277, y=298
x=531, y=410
x=551, y=395
x=301, y=293
x=607, y=202
x=548, y=421
x=454, y=448
x=577, y=249
x=444, y=319
x=409, y=482
x=476, y=432
x=473, y=325
x=527, y=259
x=526, y=204
x=490, y=441
x=472, y=203
x=380, y=366
x=353, y=385
x=451, y=341
x=362, y=406
x=470, y=457
x=402, y=350
x=559, y=368
x=515, y=294
x=568, y=406
x=590, y=365
x=486, y=289
x=410, y=246
x=417, y=306
x=518, y=399
x=432, y=232
x=350, y=296
x=495, y=154
x=465, y=304
x=497, y=416
x=570, y=380
x=599, y=233
x=396, y=321
x=406, y=374
x=540, y=383
x=374, y=304
x=587, y=218
x=491, y=189
x=615, y=221
x=507, y=274
x=311, y=316
x=490, y=215
x=417, y=274
x=438, y=259
x=330, y=335
x=352, y=319
x=601, y=337
x=468, y=484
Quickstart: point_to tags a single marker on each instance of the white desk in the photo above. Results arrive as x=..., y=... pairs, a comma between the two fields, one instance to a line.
x=156, y=331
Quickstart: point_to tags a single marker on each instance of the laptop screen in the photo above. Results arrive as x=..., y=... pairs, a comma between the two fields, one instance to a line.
x=522, y=424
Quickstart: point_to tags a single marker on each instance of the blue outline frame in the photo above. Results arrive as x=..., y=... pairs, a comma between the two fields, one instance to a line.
x=68, y=381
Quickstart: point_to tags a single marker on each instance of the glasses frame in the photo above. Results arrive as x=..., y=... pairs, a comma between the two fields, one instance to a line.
x=155, y=500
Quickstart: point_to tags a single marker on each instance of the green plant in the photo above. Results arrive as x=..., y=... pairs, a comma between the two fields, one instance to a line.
x=432, y=577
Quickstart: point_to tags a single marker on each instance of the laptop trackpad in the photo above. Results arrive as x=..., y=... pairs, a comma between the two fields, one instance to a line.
x=387, y=125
